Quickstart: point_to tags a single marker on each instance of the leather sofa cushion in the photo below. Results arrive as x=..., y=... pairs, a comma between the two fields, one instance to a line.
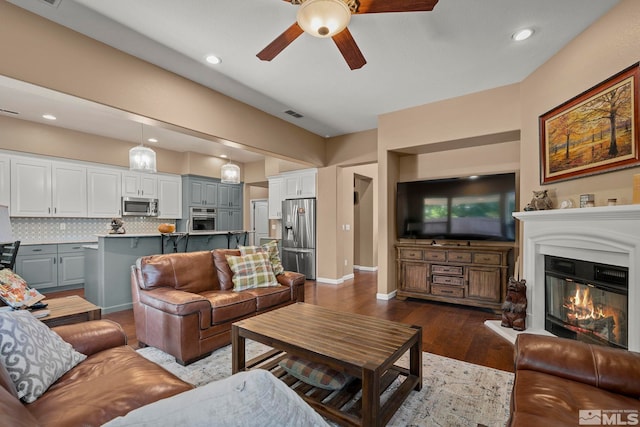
x=225, y=275
x=270, y=297
x=190, y=272
x=106, y=385
x=543, y=399
x=229, y=305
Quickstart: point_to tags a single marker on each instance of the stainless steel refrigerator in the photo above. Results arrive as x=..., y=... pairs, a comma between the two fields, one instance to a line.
x=299, y=236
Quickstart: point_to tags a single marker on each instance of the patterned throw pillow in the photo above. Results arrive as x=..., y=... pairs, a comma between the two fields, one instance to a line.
x=271, y=248
x=315, y=374
x=33, y=354
x=251, y=271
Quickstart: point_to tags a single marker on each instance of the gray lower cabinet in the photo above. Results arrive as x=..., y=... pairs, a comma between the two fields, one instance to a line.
x=51, y=265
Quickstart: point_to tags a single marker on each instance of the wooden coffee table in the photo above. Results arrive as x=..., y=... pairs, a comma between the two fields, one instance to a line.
x=71, y=309
x=362, y=346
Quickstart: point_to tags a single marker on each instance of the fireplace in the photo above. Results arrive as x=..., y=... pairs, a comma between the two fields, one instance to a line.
x=605, y=235
x=586, y=301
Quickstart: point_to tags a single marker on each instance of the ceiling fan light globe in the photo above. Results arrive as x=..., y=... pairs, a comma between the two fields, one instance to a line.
x=323, y=18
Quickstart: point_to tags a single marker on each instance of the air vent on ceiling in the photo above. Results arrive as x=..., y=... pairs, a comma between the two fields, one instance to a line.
x=53, y=3
x=2, y=110
x=293, y=114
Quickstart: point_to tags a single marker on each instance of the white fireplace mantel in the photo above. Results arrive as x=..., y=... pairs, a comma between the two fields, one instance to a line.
x=607, y=234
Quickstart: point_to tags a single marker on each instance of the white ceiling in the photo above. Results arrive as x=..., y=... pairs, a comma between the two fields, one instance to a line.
x=461, y=47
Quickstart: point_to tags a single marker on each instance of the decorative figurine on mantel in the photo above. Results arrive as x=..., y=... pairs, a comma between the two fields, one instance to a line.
x=117, y=226
x=514, y=309
x=540, y=201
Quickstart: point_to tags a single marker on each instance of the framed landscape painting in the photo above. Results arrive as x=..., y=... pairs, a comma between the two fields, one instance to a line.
x=595, y=132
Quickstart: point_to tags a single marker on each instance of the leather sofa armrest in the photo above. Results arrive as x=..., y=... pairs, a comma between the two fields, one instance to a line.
x=295, y=281
x=93, y=336
x=608, y=368
x=179, y=303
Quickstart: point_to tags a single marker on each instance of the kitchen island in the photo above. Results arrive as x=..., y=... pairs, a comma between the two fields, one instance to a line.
x=108, y=263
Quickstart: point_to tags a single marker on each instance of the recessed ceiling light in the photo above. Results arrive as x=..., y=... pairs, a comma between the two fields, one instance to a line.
x=212, y=59
x=224, y=156
x=49, y=116
x=152, y=140
x=522, y=34
x=473, y=177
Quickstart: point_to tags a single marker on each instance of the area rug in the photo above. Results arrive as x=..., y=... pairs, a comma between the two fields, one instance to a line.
x=454, y=393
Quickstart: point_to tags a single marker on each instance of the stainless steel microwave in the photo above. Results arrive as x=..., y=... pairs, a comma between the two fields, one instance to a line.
x=137, y=206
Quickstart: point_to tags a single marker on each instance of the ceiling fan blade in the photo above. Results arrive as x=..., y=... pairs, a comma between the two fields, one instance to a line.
x=283, y=40
x=385, y=6
x=349, y=49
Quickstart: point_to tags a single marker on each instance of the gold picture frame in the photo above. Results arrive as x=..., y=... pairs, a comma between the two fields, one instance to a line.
x=594, y=132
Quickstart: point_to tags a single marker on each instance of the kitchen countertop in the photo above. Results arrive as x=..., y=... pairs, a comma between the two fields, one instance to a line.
x=56, y=242
x=205, y=233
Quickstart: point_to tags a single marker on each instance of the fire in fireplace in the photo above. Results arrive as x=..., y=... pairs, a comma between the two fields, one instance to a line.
x=586, y=301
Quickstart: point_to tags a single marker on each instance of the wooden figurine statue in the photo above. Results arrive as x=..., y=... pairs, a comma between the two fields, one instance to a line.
x=514, y=309
x=539, y=202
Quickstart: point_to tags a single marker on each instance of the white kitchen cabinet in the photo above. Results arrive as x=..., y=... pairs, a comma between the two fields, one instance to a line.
x=276, y=196
x=30, y=187
x=104, y=192
x=5, y=180
x=170, y=196
x=299, y=184
x=135, y=184
x=41, y=188
x=69, y=190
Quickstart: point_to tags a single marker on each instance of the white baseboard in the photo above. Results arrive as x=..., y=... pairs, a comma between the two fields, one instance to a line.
x=386, y=297
x=335, y=281
x=365, y=268
x=330, y=281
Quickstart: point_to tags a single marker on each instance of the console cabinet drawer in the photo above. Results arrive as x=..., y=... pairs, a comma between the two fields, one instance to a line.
x=484, y=258
x=447, y=291
x=447, y=269
x=448, y=280
x=459, y=257
x=410, y=254
x=435, y=256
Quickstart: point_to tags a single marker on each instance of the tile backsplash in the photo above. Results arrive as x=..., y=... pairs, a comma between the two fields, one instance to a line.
x=51, y=230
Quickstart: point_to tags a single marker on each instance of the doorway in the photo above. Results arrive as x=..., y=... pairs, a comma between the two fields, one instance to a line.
x=259, y=220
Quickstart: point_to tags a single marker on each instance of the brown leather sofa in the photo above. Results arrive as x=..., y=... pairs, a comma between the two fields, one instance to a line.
x=557, y=378
x=110, y=382
x=184, y=303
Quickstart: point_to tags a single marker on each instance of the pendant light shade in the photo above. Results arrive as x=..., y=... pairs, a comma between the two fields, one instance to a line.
x=142, y=159
x=230, y=173
x=323, y=18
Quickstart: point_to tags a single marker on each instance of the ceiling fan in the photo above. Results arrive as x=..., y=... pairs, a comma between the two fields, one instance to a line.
x=329, y=18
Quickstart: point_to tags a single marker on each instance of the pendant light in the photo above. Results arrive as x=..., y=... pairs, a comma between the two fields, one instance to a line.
x=141, y=158
x=230, y=173
x=323, y=18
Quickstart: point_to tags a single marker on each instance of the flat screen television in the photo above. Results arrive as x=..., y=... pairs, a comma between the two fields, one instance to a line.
x=470, y=208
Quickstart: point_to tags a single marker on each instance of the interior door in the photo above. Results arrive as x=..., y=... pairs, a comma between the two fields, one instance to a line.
x=260, y=220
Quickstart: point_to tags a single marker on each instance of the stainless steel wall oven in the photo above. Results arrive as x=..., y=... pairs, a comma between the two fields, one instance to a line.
x=202, y=220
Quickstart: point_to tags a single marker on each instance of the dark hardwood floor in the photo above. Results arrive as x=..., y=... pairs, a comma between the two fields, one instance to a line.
x=449, y=330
